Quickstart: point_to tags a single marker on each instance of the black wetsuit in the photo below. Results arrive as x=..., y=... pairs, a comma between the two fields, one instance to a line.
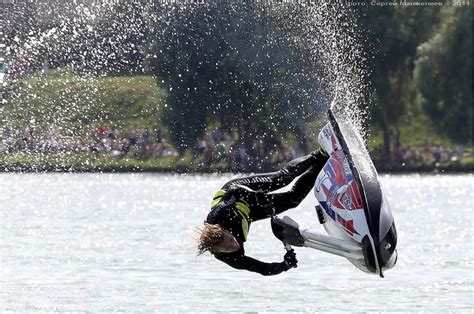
x=244, y=200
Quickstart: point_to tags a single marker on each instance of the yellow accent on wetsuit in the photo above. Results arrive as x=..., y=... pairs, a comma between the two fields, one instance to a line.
x=217, y=198
x=241, y=207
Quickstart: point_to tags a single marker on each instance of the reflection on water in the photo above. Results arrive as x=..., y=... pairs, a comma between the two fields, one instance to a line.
x=124, y=242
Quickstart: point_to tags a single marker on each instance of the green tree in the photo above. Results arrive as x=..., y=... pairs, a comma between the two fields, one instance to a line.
x=230, y=65
x=393, y=36
x=72, y=103
x=443, y=74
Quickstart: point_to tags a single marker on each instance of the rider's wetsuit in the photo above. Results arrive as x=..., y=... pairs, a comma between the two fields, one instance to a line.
x=244, y=200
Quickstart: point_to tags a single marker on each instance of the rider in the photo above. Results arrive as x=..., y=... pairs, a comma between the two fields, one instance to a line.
x=244, y=200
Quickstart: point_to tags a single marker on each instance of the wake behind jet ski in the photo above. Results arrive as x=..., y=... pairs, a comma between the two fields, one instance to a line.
x=352, y=206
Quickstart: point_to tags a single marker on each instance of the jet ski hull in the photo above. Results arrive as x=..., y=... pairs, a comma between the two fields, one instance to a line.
x=353, y=207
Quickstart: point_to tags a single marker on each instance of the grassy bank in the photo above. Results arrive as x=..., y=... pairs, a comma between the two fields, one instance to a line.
x=74, y=104
x=84, y=162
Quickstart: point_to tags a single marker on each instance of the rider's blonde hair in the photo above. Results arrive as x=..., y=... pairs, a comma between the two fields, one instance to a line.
x=211, y=234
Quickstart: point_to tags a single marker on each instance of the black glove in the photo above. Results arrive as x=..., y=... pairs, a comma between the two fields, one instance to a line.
x=269, y=210
x=290, y=259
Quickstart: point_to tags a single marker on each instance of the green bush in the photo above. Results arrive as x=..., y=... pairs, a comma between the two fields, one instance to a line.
x=74, y=104
x=83, y=162
x=415, y=132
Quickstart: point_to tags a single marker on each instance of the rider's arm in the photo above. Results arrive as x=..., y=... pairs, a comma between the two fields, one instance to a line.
x=251, y=264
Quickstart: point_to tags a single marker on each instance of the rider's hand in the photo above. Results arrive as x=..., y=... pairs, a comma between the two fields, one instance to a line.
x=290, y=259
x=269, y=210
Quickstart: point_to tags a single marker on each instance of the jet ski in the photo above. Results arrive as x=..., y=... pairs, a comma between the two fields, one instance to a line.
x=352, y=205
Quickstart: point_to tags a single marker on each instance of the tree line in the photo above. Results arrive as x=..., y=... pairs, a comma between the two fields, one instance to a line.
x=423, y=64
x=261, y=70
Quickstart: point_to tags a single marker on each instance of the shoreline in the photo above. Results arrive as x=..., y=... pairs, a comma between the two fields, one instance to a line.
x=188, y=170
x=96, y=163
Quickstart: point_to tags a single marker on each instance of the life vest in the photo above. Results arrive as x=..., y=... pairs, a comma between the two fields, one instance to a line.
x=241, y=207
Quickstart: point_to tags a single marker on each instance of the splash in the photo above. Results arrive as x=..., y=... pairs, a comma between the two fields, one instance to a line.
x=331, y=33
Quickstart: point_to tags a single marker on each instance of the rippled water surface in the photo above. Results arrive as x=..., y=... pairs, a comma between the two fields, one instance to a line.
x=124, y=242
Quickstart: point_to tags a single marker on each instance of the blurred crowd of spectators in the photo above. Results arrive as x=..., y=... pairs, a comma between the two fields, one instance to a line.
x=219, y=147
x=141, y=142
x=18, y=68
x=433, y=155
x=216, y=148
x=138, y=143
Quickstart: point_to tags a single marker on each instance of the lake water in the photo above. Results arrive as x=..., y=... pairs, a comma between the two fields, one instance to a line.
x=125, y=242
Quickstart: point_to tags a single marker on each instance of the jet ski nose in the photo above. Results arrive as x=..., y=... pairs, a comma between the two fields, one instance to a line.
x=392, y=261
x=387, y=247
